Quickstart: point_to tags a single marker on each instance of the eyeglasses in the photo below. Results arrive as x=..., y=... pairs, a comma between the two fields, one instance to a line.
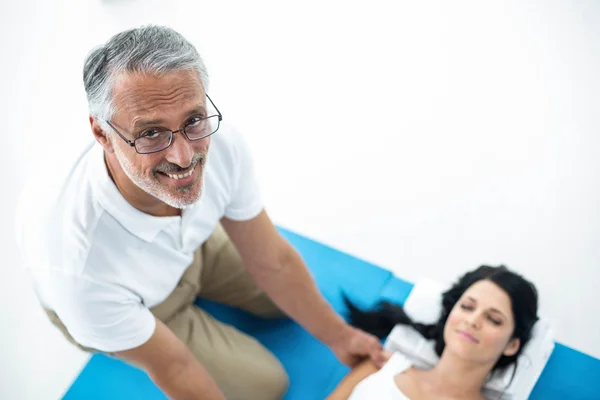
x=154, y=140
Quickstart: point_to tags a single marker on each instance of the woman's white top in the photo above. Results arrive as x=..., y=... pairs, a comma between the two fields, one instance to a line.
x=381, y=385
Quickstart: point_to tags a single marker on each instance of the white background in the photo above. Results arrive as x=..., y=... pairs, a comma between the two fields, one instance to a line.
x=426, y=137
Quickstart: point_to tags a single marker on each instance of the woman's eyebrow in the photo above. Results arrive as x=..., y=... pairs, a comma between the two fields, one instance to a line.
x=491, y=309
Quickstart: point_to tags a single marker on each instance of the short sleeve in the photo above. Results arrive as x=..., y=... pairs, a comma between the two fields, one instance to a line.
x=397, y=364
x=380, y=384
x=97, y=315
x=245, y=202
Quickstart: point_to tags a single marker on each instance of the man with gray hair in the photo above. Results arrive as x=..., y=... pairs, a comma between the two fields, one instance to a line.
x=146, y=218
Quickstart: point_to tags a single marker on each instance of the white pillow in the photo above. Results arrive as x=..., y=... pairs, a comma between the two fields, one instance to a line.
x=424, y=305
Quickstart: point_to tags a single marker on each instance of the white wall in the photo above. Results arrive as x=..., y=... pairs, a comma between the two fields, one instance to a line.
x=426, y=137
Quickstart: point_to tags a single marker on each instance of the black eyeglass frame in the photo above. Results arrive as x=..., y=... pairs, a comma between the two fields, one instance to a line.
x=182, y=130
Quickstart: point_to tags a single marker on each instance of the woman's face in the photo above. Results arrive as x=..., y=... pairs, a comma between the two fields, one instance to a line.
x=480, y=326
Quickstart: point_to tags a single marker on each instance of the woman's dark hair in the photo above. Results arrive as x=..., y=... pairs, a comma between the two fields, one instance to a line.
x=522, y=293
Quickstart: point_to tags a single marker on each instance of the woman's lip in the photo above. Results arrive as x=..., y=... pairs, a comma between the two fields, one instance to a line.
x=468, y=336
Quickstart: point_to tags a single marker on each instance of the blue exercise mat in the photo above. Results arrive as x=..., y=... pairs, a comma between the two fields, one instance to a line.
x=313, y=369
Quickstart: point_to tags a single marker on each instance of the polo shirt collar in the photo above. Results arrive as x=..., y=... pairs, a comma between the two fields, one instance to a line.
x=142, y=225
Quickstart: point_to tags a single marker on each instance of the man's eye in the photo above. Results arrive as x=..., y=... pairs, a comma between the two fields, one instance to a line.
x=194, y=121
x=151, y=134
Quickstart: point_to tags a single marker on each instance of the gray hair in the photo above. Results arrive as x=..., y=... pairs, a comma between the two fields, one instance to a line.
x=149, y=49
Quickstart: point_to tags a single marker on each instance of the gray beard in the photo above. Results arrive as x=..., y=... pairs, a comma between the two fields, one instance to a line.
x=153, y=187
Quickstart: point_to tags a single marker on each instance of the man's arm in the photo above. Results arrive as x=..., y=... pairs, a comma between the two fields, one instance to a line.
x=280, y=271
x=172, y=367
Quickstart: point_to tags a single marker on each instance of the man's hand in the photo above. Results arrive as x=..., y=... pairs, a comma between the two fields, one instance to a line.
x=280, y=271
x=354, y=345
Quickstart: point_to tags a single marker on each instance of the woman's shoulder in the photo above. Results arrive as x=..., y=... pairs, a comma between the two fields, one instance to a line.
x=382, y=383
x=397, y=363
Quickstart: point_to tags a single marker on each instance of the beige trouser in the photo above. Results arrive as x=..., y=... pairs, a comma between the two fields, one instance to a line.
x=241, y=366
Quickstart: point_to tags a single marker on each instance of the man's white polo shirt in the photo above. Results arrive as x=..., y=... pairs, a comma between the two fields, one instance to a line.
x=100, y=263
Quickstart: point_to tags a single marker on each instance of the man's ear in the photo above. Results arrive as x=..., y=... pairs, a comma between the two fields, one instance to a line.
x=512, y=347
x=100, y=135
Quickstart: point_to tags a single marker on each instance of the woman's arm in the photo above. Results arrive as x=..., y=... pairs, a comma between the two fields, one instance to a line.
x=357, y=374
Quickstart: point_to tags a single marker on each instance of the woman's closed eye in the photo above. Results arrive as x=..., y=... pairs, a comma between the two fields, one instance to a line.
x=494, y=321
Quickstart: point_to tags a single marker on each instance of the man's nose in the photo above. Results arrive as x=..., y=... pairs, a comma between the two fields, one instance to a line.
x=181, y=151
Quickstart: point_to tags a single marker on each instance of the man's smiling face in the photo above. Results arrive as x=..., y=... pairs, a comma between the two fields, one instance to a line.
x=147, y=104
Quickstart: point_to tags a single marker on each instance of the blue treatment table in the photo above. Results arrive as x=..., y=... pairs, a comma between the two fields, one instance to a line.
x=314, y=371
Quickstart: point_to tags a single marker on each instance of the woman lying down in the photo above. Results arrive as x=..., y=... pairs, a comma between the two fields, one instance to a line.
x=487, y=318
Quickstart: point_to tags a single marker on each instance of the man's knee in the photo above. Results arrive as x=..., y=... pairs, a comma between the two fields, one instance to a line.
x=255, y=380
x=275, y=383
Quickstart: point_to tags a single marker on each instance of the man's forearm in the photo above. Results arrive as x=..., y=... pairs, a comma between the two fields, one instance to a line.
x=293, y=289
x=191, y=382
